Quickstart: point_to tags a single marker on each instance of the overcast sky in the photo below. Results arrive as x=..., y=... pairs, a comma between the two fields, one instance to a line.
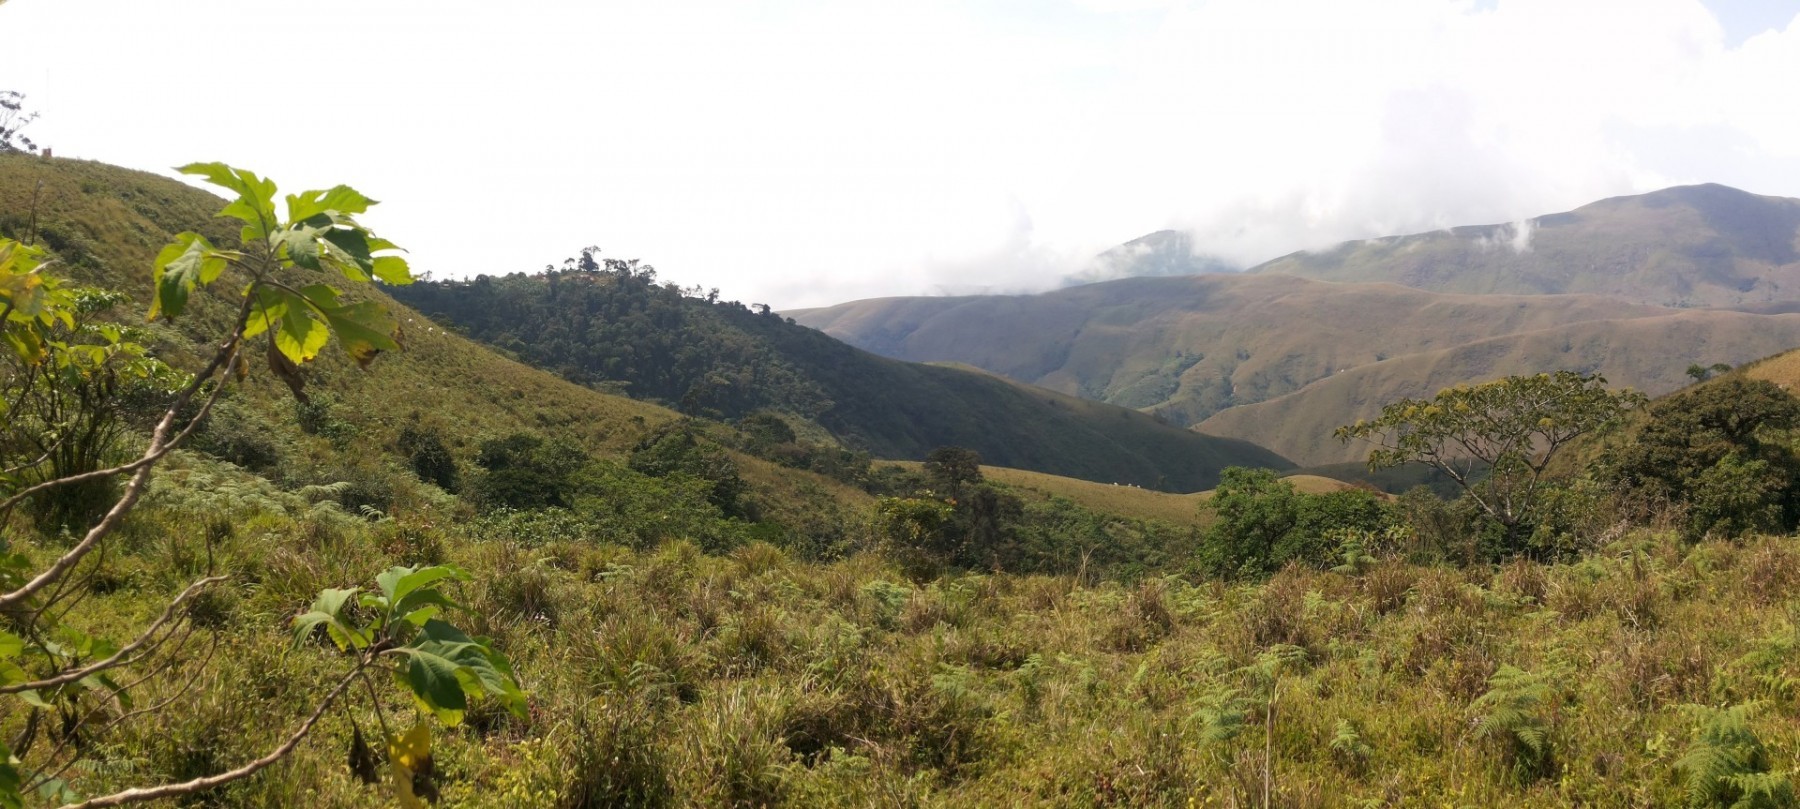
x=804, y=153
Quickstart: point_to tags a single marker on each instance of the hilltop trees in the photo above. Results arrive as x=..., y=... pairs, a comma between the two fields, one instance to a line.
x=13, y=118
x=1496, y=440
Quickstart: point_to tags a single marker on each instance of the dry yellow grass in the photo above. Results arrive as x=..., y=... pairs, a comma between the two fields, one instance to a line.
x=1781, y=369
x=1130, y=501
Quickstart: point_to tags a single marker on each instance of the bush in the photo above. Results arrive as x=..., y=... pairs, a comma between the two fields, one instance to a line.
x=1264, y=524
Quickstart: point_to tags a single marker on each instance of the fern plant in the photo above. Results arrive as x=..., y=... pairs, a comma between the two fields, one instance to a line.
x=1727, y=765
x=1348, y=747
x=1353, y=549
x=1510, y=714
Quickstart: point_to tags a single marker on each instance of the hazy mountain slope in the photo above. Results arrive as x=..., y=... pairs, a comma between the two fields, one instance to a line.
x=1165, y=252
x=720, y=358
x=1189, y=347
x=1632, y=353
x=1700, y=245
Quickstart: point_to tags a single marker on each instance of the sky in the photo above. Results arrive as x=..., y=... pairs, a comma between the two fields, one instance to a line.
x=806, y=153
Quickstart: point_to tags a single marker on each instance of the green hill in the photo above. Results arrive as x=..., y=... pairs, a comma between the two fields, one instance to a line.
x=619, y=327
x=1697, y=245
x=1188, y=347
x=106, y=223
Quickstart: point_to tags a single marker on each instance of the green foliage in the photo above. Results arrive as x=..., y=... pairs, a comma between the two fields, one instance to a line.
x=1723, y=450
x=439, y=665
x=428, y=457
x=1727, y=764
x=679, y=450
x=523, y=471
x=1348, y=745
x=13, y=120
x=1497, y=439
x=951, y=468
x=610, y=324
x=1264, y=524
x=1512, y=715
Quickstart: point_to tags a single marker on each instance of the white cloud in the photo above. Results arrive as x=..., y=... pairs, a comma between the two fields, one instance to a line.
x=810, y=151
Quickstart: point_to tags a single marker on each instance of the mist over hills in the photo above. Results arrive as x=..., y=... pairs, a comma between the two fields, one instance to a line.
x=1687, y=246
x=1287, y=350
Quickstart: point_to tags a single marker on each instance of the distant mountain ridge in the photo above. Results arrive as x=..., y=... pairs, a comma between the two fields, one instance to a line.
x=1163, y=253
x=1287, y=350
x=1688, y=246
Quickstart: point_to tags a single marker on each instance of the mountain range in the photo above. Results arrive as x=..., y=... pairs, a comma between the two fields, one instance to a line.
x=1635, y=288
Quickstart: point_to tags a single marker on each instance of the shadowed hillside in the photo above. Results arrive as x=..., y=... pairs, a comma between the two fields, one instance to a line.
x=720, y=359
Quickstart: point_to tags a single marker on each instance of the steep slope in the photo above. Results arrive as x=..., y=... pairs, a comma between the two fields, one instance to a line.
x=1699, y=245
x=719, y=358
x=1630, y=353
x=106, y=224
x=1186, y=348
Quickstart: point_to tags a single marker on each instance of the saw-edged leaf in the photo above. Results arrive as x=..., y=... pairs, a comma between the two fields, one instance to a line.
x=188, y=260
x=342, y=199
x=328, y=610
x=399, y=582
x=364, y=329
x=351, y=251
x=392, y=270
x=299, y=334
x=446, y=667
x=302, y=242
x=268, y=309
x=255, y=202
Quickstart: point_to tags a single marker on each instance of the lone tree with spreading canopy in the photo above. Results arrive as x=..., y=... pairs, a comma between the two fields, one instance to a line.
x=1496, y=440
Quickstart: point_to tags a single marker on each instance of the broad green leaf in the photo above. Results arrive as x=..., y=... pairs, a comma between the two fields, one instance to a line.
x=445, y=667
x=255, y=203
x=188, y=260
x=300, y=335
x=392, y=270
x=352, y=247
x=328, y=609
x=420, y=606
x=268, y=310
x=11, y=645
x=302, y=243
x=343, y=200
x=364, y=329
x=398, y=582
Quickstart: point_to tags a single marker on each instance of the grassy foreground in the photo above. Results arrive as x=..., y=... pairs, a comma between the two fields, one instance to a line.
x=668, y=677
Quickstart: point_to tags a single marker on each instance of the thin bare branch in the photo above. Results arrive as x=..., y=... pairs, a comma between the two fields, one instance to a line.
x=192, y=786
x=117, y=658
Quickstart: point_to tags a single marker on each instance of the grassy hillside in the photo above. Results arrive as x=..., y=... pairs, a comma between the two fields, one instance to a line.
x=618, y=326
x=682, y=672
x=106, y=223
x=1189, y=347
x=1632, y=353
x=1700, y=245
x=1280, y=361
